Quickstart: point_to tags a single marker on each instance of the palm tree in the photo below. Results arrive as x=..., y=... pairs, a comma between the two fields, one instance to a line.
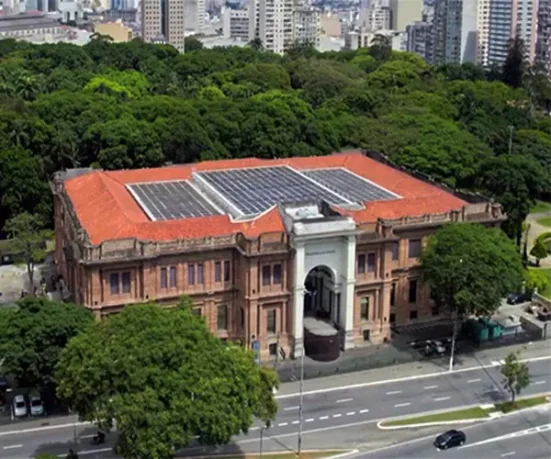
x=18, y=133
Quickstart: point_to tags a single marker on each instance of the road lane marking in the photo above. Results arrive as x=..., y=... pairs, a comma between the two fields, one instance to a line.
x=283, y=424
x=91, y=451
x=295, y=422
x=364, y=411
x=535, y=383
x=39, y=429
x=392, y=392
x=87, y=436
x=323, y=418
x=441, y=399
x=407, y=378
x=337, y=415
x=290, y=408
x=430, y=387
x=510, y=453
x=12, y=446
x=252, y=428
x=402, y=404
x=344, y=400
x=351, y=413
x=509, y=436
x=309, y=420
x=470, y=381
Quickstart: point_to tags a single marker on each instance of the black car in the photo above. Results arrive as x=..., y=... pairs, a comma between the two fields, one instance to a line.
x=450, y=439
x=518, y=298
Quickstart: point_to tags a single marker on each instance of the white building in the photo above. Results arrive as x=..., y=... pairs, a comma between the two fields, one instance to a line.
x=235, y=24
x=307, y=26
x=194, y=14
x=271, y=21
x=405, y=12
x=375, y=15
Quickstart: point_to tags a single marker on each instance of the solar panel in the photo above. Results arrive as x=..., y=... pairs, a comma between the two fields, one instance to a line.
x=172, y=200
x=350, y=185
x=253, y=190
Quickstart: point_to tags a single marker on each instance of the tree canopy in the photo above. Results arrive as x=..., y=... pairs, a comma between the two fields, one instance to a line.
x=165, y=379
x=470, y=268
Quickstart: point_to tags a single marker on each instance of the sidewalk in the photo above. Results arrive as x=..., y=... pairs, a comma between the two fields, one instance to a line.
x=476, y=359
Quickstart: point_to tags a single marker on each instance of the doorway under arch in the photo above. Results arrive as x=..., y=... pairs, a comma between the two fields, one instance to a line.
x=322, y=337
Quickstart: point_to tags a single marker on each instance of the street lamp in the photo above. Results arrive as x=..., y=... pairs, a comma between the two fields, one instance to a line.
x=452, y=354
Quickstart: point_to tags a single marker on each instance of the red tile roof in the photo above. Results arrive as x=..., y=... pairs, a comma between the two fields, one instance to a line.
x=107, y=211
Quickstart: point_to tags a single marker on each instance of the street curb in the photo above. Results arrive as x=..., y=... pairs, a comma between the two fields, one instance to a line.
x=431, y=424
x=349, y=453
x=43, y=428
x=346, y=452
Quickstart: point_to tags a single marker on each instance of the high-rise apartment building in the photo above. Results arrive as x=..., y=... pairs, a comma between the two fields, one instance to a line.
x=420, y=39
x=271, y=21
x=405, y=12
x=194, y=13
x=163, y=22
x=307, y=26
x=543, y=45
x=235, y=24
x=447, y=31
x=375, y=15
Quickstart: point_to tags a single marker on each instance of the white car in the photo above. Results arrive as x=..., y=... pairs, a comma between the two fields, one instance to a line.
x=19, y=406
x=37, y=407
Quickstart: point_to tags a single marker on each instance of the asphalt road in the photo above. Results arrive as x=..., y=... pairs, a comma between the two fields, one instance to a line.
x=523, y=435
x=322, y=409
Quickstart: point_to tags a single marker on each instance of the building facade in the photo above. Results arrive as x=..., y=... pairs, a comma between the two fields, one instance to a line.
x=447, y=31
x=275, y=24
x=543, y=45
x=235, y=24
x=420, y=40
x=375, y=16
x=259, y=267
x=307, y=26
x=405, y=12
x=163, y=22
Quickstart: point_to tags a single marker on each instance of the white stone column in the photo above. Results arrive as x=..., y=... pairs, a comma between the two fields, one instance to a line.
x=298, y=300
x=349, y=281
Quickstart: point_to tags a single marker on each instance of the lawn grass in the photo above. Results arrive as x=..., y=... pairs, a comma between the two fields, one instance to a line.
x=507, y=407
x=547, y=291
x=541, y=206
x=467, y=413
x=281, y=455
x=545, y=221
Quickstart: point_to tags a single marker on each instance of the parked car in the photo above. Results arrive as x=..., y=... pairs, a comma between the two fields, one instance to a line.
x=434, y=348
x=450, y=439
x=19, y=407
x=518, y=298
x=36, y=405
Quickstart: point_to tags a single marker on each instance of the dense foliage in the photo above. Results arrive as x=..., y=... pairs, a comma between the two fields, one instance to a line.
x=135, y=105
x=164, y=379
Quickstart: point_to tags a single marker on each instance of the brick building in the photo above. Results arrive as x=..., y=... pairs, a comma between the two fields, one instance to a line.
x=270, y=250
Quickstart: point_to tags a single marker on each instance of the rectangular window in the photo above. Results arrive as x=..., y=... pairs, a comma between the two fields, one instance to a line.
x=272, y=348
x=370, y=262
x=125, y=277
x=414, y=248
x=217, y=271
x=191, y=274
x=197, y=311
x=364, y=308
x=392, y=317
x=395, y=251
x=413, y=314
x=393, y=294
x=412, y=291
x=242, y=318
x=227, y=271
x=361, y=264
x=163, y=278
x=172, y=277
x=277, y=274
x=222, y=317
x=271, y=322
x=114, y=282
x=266, y=275
x=199, y=273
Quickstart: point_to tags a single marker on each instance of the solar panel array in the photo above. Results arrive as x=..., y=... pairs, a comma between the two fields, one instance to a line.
x=349, y=185
x=254, y=190
x=172, y=200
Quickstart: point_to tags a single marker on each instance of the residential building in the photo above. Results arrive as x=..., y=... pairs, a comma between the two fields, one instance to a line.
x=307, y=26
x=268, y=250
x=194, y=15
x=116, y=30
x=275, y=24
x=31, y=27
x=375, y=15
x=235, y=24
x=507, y=19
x=447, y=31
x=331, y=25
x=543, y=46
x=405, y=12
x=420, y=40
x=163, y=22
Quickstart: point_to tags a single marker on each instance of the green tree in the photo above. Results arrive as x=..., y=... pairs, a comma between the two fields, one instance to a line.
x=34, y=336
x=536, y=279
x=28, y=241
x=513, y=67
x=192, y=44
x=539, y=251
x=380, y=48
x=516, y=375
x=164, y=378
x=470, y=269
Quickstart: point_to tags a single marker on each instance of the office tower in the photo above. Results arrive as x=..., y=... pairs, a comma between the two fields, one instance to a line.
x=375, y=15
x=420, y=40
x=163, y=22
x=405, y=12
x=307, y=26
x=507, y=19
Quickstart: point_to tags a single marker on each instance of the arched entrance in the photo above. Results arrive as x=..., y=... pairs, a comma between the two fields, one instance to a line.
x=321, y=315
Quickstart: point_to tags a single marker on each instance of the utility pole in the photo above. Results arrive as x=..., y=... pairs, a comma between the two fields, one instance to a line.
x=299, y=446
x=261, y=439
x=276, y=360
x=454, y=335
